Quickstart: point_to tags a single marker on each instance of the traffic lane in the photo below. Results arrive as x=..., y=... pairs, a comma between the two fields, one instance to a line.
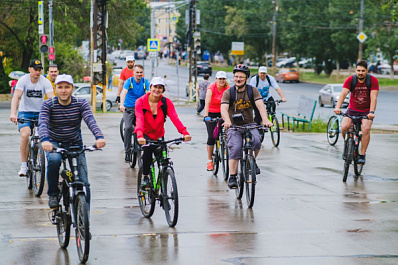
x=299, y=214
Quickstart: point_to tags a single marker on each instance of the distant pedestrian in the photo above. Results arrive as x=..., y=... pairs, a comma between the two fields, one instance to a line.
x=202, y=92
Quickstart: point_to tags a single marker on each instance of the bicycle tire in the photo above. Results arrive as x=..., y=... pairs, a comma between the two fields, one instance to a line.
x=332, y=132
x=216, y=159
x=170, y=197
x=275, y=132
x=122, y=129
x=348, y=157
x=39, y=173
x=224, y=159
x=250, y=180
x=357, y=167
x=134, y=151
x=82, y=228
x=63, y=228
x=262, y=134
x=146, y=197
x=241, y=181
x=29, y=178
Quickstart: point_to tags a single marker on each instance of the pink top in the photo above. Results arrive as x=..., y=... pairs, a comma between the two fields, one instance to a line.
x=215, y=103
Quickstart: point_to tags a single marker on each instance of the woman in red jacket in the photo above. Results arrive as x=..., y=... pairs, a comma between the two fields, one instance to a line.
x=150, y=121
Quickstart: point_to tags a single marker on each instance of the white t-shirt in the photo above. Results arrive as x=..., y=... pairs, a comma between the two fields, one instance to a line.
x=263, y=86
x=33, y=94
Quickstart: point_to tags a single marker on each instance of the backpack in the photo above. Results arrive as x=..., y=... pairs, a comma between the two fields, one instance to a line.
x=249, y=93
x=131, y=84
x=355, y=81
x=163, y=107
x=258, y=80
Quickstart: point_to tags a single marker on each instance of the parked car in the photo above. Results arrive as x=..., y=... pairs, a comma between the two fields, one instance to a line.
x=141, y=54
x=329, y=95
x=287, y=75
x=82, y=91
x=290, y=62
x=203, y=68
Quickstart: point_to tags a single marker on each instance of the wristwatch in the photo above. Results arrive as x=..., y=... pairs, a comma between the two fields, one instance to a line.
x=372, y=112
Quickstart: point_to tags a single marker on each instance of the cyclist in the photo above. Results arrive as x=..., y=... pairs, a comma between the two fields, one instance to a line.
x=238, y=110
x=151, y=116
x=133, y=88
x=263, y=82
x=51, y=75
x=212, y=110
x=202, y=92
x=363, y=102
x=125, y=74
x=60, y=122
x=30, y=89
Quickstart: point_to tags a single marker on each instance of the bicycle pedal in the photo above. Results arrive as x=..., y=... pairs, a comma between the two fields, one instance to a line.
x=52, y=216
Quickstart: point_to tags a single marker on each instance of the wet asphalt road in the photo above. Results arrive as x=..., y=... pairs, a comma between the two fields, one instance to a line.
x=303, y=212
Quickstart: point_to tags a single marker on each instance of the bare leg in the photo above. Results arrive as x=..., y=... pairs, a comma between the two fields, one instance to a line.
x=24, y=148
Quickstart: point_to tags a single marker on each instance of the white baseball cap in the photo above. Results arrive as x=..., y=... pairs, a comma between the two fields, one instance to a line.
x=157, y=81
x=130, y=58
x=64, y=78
x=221, y=74
x=262, y=69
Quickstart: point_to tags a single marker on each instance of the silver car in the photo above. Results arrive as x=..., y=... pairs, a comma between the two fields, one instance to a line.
x=82, y=91
x=329, y=95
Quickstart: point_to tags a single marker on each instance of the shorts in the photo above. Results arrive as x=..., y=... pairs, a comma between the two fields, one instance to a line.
x=234, y=138
x=27, y=115
x=355, y=113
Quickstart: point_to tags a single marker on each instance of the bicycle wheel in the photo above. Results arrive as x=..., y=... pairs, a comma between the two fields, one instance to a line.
x=216, y=157
x=134, y=151
x=38, y=174
x=348, y=157
x=29, y=177
x=63, y=228
x=146, y=196
x=224, y=159
x=170, y=197
x=82, y=228
x=275, y=132
x=333, y=130
x=357, y=167
x=250, y=179
x=241, y=181
x=262, y=134
x=122, y=129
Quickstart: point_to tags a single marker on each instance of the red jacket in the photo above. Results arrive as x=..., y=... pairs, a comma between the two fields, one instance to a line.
x=154, y=128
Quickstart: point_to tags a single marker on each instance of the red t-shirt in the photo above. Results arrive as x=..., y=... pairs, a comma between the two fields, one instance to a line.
x=360, y=97
x=126, y=74
x=215, y=103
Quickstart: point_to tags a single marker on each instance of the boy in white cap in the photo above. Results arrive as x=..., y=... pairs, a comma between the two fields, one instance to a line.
x=65, y=114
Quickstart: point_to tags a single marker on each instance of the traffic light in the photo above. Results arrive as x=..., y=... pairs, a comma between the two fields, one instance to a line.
x=197, y=46
x=44, y=41
x=97, y=78
x=51, y=53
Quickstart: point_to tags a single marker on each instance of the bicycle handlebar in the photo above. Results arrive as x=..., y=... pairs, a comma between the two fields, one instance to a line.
x=353, y=117
x=213, y=119
x=274, y=101
x=235, y=127
x=67, y=151
x=28, y=120
x=162, y=142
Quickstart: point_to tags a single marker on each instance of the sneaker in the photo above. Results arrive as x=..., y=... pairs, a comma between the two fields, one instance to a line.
x=232, y=183
x=127, y=158
x=197, y=113
x=145, y=182
x=53, y=202
x=257, y=170
x=210, y=166
x=22, y=172
x=362, y=159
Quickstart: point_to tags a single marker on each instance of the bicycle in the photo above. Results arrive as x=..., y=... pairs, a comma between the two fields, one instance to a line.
x=352, y=145
x=247, y=171
x=275, y=131
x=135, y=150
x=220, y=150
x=35, y=175
x=162, y=183
x=334, y=129
x=73, y=208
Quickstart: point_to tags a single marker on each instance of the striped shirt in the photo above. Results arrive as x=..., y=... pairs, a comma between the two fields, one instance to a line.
x=62, y=124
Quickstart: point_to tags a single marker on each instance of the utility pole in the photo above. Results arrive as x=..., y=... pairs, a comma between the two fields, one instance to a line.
x=274, y=38
x=360, y=30
x=153, y=28
x=51, y=25
x=189, y=45
x=193, y=48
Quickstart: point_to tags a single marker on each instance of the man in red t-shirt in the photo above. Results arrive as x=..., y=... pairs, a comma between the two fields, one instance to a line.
x=362, y=103
x=125, y=74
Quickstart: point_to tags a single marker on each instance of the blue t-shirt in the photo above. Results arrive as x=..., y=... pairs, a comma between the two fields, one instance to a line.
x=135, y=91
x=263, y=86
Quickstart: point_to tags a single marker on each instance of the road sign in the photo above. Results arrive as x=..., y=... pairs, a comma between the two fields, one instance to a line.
x=174, y=19
x=153, y=54
x=41, y=13
x=153, y=45
x=238, y=48
x=362, y=37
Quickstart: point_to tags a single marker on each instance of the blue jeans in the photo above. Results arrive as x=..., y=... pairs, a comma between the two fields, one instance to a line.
x=53, y=166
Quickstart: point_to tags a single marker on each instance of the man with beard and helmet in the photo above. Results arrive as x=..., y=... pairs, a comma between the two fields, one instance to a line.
x=125, y=74
x=237, y=109
x=364, y=89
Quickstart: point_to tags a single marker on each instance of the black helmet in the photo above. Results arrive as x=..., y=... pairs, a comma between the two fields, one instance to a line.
x=242, y=68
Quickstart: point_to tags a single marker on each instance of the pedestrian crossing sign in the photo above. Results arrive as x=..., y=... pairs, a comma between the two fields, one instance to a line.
x=153, y=45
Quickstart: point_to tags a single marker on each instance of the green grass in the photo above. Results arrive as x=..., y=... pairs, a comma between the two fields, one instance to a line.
x=317, y=126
